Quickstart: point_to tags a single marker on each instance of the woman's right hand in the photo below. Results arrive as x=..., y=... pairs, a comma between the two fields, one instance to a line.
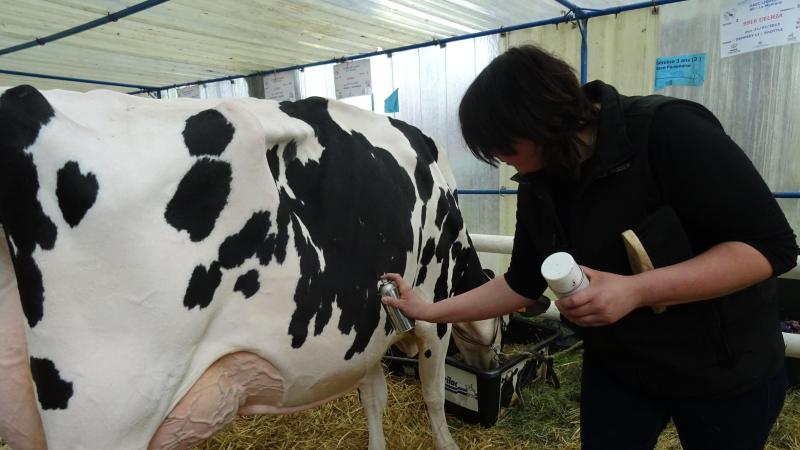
x=409, y=302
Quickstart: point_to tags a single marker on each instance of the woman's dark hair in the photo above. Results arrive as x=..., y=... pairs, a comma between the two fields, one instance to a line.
x=526, y=93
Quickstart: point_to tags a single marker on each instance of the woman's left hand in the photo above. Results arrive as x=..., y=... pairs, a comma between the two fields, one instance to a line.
x=608, y=298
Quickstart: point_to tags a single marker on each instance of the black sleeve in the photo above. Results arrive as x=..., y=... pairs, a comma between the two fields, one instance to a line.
x=714, y=188
x=524, y=272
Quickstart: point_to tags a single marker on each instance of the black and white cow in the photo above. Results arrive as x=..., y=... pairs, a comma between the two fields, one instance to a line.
x=179, y=262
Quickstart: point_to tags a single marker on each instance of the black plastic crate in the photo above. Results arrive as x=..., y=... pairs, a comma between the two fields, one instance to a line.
x=476, y=396
x=789, y=301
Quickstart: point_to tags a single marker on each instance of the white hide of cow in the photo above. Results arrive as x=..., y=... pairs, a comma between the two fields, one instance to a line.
x=141, y=367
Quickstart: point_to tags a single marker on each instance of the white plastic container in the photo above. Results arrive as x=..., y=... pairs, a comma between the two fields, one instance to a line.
x=563, y=274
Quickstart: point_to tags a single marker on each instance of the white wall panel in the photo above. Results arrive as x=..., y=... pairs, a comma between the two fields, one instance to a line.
x=756, y=95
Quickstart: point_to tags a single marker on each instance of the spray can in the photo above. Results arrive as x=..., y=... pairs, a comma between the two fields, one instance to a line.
x=563, y=274
x=400, y=323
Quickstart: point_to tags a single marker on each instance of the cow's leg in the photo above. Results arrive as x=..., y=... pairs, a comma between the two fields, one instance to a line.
x=373, y=394
x=20, y=423
x=432, y=354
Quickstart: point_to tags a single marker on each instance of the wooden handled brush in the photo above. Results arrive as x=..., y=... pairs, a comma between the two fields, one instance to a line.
x=638, y=258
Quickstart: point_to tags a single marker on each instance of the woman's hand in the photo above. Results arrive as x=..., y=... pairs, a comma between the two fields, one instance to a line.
x=409, y=302
x=608, y=298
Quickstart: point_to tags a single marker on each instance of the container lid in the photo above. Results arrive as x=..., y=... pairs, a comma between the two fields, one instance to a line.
x=561, y=272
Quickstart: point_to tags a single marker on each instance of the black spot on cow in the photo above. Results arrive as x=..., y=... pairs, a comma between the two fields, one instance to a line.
x=290, y=152
x=202, y=286
x=426, y=154
x=421, y=276
x=266, y=249
x=275, y=244
x=442, y=208
x=356, y=203
x=235, y=249
x=441, y=329
x=200, y=198
x=207, y=133
x=247, y=284
x=274, y=162
x=419, y=242
x=425, y=259
x=307, y=286
x=53, y=392
x=76, y=192
x=466, y=273
x=428, y=353
x=23, y=113
x=29, y=283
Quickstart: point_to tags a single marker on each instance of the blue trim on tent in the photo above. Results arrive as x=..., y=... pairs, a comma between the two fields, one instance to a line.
x=76, y=80
x=111, y=17
x=514, y=192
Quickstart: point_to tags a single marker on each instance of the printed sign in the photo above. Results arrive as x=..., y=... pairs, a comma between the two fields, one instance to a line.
x=685, y=70
x=192, y=91
x=461, y=387
x=749, y=25
x=352, y=78
x=282, y=86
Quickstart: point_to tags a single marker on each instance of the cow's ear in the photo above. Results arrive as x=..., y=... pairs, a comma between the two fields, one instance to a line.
x=23, y=112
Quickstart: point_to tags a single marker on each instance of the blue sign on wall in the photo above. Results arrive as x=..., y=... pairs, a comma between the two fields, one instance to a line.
x=684, y=70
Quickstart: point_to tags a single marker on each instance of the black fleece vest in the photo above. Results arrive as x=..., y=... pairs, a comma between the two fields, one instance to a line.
x=709, y=348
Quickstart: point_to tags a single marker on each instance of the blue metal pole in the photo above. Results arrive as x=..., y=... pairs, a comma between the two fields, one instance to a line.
x=111, y=17
x=555, y=20
x=486, y=191
x=583, y=24
x=589, y=13
x=77, y=80
x=514, y=191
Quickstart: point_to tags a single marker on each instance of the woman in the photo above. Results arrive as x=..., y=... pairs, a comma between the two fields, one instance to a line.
x=592, y=164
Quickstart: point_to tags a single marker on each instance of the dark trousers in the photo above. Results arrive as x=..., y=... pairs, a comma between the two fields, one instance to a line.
x=616, y=417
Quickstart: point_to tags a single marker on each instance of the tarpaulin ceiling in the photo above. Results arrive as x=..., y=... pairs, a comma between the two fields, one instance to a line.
x=180, y=41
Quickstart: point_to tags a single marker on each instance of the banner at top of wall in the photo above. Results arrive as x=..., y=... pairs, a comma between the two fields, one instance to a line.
x=282, y=86
x=353, y=78
x=748, y=25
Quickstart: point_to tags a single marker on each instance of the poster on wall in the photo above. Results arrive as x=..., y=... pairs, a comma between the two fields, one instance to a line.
x=749, y=25
x=282, y=86
x=684, y=70
x=192, y=91
x=352, y=78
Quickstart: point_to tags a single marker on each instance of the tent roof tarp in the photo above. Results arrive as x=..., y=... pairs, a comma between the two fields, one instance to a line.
x=182, y=41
